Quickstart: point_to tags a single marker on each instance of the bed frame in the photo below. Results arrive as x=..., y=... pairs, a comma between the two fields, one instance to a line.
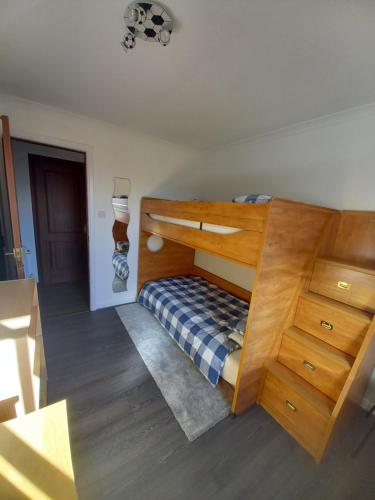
x=279, y=239
x=289, y=244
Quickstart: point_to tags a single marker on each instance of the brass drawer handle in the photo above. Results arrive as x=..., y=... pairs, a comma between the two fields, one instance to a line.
x=290, y=406
x=309, y=365
x=326, y=325
x=344, y=285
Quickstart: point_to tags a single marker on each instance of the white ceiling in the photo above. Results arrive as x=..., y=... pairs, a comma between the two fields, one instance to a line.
x=233, y=69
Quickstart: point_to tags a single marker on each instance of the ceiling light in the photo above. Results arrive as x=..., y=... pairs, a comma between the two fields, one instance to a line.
x=149, y=21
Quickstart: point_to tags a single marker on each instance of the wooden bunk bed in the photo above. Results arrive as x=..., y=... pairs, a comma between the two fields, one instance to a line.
x=283, y=240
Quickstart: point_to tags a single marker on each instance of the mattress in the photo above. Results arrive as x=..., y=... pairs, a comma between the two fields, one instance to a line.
x=196, y=314
x=231, y=366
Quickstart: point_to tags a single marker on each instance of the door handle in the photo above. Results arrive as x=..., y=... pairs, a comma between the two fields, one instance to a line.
x=309, y=365
x=344, y=285
x=290, y=406
x=25, y=251
x=17, y=253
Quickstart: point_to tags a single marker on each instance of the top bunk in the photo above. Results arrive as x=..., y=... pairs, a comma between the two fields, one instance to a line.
x=226, y=229
x=234, y=231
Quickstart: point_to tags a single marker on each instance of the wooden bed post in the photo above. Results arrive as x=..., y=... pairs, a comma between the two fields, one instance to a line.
x=292, y=235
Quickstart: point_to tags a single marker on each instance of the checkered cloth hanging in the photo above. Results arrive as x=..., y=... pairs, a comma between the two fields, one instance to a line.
x=195, y=313
x=120, y=265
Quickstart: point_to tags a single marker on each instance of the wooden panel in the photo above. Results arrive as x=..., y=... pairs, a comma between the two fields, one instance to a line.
x=291, y=238
x=235, y=290
x=297, y=406
x=240, y=215
x=349, y=325
x=348, y=404
x=360, y=373
x=301, y=289
x=330, y=276
x=173, y=259
x=35, y=459
x=323, y=366
x=353, y=238
x=242, y=246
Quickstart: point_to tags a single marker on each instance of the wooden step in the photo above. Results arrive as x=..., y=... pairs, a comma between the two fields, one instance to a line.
x=338, y=324
x=348, y=265
x=344, y=282
x=320, y=364
x=301, y=409
x=306, y=391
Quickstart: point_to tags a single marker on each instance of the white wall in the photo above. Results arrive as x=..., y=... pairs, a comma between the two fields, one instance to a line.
x=21, y=150
x=329, y=161
x=152, y=166
x=239, y=274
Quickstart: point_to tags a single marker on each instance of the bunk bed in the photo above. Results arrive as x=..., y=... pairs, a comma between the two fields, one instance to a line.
x=283, y=240
x=277, y=238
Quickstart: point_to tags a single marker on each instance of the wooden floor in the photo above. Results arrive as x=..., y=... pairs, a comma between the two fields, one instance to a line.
x=64, y=298
x=126, y=443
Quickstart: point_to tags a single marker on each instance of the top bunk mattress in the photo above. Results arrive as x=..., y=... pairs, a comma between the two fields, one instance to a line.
x=196, y=314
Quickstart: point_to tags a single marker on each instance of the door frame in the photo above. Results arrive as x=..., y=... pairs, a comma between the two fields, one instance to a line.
x=89, y=162
x=12, y=195
x=37, y=234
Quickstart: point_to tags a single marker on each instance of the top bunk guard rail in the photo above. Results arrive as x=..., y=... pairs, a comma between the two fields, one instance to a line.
x=241, y=246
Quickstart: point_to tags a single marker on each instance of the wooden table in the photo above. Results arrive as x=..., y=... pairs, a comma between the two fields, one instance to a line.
x=35, y=460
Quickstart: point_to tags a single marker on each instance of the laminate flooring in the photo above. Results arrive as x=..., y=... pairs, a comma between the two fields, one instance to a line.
x=126, y=443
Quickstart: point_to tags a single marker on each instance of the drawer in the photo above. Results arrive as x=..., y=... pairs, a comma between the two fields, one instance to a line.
x=339, y=325
x=302, y=410
x=320, y=364
x=345, y=283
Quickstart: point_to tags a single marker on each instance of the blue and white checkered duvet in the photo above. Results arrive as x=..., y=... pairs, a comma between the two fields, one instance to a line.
x=195, y=313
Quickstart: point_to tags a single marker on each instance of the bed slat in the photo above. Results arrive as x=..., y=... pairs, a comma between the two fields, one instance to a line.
x=240, y=215
x=241, y=247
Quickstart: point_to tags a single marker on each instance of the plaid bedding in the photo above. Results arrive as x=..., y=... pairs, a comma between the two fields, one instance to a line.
x=120, y=265
x=253, y=198
x=195, y=313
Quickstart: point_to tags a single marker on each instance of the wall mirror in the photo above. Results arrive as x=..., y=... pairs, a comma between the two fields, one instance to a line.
x=120, y=205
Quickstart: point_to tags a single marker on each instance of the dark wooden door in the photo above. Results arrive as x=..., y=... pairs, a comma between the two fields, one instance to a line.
x=59, y=206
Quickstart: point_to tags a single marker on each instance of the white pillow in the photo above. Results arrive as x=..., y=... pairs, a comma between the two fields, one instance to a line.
x=236, y=337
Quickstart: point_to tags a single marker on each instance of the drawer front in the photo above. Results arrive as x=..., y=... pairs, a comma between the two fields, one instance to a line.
x=345, y=285
x=301, y=419
x=316, y=366
x=339, y=329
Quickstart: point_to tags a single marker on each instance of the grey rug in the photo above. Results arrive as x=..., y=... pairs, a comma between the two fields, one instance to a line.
x=196, y=405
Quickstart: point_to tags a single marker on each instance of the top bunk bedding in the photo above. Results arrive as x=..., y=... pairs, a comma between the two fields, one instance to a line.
x=196, y=314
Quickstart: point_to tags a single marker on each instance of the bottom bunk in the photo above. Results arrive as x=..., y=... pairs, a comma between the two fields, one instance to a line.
x=206, y=322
